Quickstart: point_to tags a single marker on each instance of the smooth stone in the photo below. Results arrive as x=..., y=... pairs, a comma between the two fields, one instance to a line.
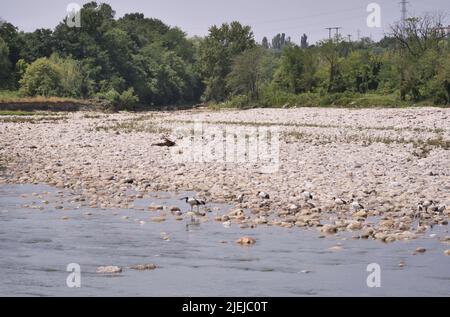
x=109, y=269
x=143, y=267
x=246, y=240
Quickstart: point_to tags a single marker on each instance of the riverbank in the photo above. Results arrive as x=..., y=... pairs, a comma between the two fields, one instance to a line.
x=389, y=160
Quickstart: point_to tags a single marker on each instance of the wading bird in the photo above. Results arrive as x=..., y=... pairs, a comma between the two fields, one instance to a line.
x=194, y=202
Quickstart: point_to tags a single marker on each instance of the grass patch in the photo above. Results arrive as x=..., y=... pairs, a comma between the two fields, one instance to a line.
x=23, y=119
x=308, y=125
x=131, y=126
x=92, y=116
x=16, y=113
x=281, y=99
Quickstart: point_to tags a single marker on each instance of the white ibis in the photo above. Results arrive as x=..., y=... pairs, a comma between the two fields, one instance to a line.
x=194, y=202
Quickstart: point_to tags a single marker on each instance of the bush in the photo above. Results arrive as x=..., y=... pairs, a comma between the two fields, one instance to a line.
x=52, y=76
x=128, y=99
x=42, y=78
x=124, y=101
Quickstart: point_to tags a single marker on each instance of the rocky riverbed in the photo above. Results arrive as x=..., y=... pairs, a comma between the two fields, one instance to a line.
x=393, y=162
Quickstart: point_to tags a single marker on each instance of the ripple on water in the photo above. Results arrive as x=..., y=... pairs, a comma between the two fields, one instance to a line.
x=37, y=246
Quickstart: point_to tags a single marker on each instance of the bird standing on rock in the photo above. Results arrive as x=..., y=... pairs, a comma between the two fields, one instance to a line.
x=339, y=201
x=263, y=195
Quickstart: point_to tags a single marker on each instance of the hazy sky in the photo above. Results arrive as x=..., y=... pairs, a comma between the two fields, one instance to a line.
x=267, y=17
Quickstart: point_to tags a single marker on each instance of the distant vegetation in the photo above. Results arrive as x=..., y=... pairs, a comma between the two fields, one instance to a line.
x=137, y=60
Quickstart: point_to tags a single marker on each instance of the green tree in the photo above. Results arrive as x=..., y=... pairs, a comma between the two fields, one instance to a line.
x=330, y=53
x=5, y=64
x=52, y=76
x=251, y=70
x=265, y=43
x=296, y=72
x=41, y=78
x=216, y=54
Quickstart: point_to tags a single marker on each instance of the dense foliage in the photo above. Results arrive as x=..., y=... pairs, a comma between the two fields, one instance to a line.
x=138, y=60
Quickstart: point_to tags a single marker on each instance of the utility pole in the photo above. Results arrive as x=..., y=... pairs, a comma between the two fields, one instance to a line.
x=349, y=38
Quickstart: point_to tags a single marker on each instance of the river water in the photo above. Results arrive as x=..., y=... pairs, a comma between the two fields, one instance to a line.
x=37, y=245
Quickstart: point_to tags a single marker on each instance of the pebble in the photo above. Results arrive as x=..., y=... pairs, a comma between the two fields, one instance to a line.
x=108, y=269
x=421, y=250
x=335, y=248
x=329, y=229
x=246, y=240
x=143, y=267
x=155, y=207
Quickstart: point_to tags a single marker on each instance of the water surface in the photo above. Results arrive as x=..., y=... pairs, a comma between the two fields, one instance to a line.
x=37, y=245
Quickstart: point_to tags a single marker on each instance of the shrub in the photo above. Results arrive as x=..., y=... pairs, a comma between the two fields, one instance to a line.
x=52, y=76
x=42, y=78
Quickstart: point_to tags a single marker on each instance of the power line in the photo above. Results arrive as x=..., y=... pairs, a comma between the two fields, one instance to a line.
x=336, y=28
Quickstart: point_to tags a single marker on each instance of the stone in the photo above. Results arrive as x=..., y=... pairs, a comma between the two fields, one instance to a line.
x=329, y=229
x=360, y=214
x=355, y=225
x=109, y=269
x=367, y=232
x=246, y=240
x=421, y=250
x=158, y=219
x=155, y=207
x=143, y=267
x=335, y=248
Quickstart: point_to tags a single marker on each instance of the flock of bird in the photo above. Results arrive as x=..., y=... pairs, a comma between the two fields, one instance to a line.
x=353, y=203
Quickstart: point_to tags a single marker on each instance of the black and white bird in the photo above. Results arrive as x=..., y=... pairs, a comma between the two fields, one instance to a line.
x=426, y=204
x=307, y=195
x=263, y=195
x=194, y=202
x=356, y=206
x=339, y=201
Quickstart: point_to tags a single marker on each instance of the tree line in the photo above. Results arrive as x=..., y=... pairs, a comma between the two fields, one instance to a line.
x=138, y=60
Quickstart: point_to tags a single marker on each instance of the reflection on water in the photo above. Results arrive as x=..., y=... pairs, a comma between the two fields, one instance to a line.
x=36, y=246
